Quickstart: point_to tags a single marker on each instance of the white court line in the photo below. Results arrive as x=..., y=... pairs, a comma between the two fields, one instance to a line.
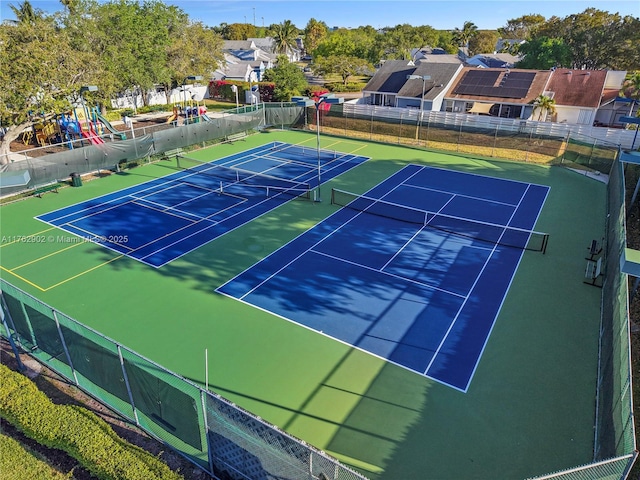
x=459, y=195
x=377, y=270
x=455, y=319
x=158, y=207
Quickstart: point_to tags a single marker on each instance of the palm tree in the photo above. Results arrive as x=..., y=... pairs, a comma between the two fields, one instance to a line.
x=284, y=37
x=631, y=88
x=462, y=37
x=545, y=105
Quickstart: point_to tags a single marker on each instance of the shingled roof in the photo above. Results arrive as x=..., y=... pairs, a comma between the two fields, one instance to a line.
x=392, y=78
x=578, y=88
x=494, y=88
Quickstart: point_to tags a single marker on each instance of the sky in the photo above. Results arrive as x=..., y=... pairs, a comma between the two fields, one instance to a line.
x=441, y=15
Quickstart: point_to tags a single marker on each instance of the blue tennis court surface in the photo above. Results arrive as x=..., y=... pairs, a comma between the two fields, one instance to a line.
x=160, y=220
x=419, y=289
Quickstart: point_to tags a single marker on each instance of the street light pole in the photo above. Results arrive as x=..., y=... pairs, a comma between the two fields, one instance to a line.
x=307, y=102
x=424, y=79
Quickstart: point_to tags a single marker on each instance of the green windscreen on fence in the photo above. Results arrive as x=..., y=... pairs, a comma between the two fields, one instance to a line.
x=168, y=407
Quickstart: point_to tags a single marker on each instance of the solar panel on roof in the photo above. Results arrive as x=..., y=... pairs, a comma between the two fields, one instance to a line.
x=482, y=83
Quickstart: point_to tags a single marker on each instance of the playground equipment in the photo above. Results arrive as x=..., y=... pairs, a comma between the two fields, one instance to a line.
x=97, y=118
x=174, y=116
x=88, y=129
x=44, y=132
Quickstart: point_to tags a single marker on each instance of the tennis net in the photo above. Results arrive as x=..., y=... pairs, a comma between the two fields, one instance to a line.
x=307, y=156
x=228, y=177
x=463, y=227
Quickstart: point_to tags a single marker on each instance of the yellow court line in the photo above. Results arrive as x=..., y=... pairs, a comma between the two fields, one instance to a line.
x=337, y=142
x=23, y=279
x=19, y=237
x=83, y=273
x=46, y=256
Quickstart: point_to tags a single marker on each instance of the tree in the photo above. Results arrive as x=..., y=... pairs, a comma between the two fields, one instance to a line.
x=284, y=37
x=360, y=42
x=521, y=28
x=194, y=50
x=545, y=105
x=398, y=41
x=134, y=40
x=238, y=31
x=314, y=33
x=597, y=39
x=631, y=88
x=25, y=13
x=341, y=65
x=544, y=53
x=40, y=75
x=464, y=36
x=288, y=79
x=483, y=42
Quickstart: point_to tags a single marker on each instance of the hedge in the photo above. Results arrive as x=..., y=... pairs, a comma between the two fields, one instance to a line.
x=17, y=463
x=77, y=431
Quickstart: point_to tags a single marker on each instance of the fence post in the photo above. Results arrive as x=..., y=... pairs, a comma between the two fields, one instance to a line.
x=21, y=366
x=371, y=129
x=64, y=345
x=126, y=382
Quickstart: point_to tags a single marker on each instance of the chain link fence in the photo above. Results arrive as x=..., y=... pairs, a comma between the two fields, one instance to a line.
x=212, y=432
x=219, y=436
x=119, y=154
x=495, y=137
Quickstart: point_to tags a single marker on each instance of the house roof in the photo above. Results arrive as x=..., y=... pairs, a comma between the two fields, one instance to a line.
x=392, y=78
x=497, y=85
x=493, y=60
x=239, y=71
x=441, y=58
x=505, y=43
x=238, y=45
x=266, y=43
x=578, y=88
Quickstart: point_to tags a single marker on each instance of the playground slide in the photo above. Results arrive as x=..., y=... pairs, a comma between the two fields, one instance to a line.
x=92, y=137
x=110, y=127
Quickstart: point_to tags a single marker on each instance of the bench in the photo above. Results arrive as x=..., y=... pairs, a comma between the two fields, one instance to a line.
x=593, y=272
x=171, y=153
x=234, y=137
x=46, y=188
x=594, y=249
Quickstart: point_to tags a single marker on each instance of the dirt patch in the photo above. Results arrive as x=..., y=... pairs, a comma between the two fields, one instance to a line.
x=62, y=393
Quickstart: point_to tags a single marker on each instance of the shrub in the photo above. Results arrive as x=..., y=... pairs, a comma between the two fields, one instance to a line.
x=17, y=462
x=75, y=430
x=349, y=87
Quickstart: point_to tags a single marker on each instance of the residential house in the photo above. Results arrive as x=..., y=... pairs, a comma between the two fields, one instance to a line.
x=492, y=60
x=246, y=53
x=435, y=55
x=589, y=97
x=390, y=86
x=507, y=45
x=499, y=92
x=267, y=44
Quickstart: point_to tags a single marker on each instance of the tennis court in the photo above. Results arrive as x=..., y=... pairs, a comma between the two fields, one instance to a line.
x=526, y=409
x=183, y=211
x=414, y=271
